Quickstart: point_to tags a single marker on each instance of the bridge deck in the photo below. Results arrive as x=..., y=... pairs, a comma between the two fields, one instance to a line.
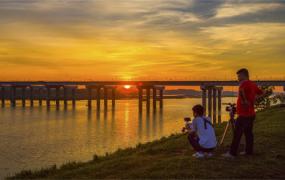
x=143, y=83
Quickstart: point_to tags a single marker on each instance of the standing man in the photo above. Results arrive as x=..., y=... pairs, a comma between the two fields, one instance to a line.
x=248, y=92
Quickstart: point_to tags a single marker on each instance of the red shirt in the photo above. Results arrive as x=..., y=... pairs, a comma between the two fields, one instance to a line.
x=250, y=90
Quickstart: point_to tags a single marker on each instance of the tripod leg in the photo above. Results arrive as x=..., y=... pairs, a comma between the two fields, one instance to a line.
x=224, y=134
x=232, y=121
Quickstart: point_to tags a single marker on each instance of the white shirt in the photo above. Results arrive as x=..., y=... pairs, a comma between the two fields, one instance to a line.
x=207, y=137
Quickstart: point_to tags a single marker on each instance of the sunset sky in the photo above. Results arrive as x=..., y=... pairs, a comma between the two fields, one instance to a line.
x=141, y=39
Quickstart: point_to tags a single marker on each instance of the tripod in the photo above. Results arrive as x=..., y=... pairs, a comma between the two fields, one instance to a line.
x=231, y=108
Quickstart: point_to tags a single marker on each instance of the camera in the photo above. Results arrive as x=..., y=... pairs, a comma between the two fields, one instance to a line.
x=187, y=119
x=188, y=125
x=231, y=108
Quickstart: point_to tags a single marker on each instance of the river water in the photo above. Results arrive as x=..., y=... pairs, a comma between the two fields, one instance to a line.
x=32, y=138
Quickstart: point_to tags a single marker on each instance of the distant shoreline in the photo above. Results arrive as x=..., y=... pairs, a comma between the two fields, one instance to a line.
x=164, y=97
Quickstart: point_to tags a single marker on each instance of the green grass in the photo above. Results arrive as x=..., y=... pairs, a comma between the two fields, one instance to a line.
x=171, y=158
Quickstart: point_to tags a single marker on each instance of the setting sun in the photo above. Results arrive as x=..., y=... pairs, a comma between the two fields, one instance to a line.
x=127, y=86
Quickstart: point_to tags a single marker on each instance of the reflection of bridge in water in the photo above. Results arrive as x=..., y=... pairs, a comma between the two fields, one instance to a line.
x=147, y=91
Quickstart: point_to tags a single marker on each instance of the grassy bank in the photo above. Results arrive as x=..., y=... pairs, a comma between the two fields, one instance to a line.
x=171, y=158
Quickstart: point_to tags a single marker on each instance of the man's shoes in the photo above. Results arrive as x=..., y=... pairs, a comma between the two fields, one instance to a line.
x=228, y=155
x=198, y=155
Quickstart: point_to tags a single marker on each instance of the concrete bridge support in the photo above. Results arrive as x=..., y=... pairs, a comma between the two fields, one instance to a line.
x=212, y=105
x=112, y=89
x=24, y=96
x=13, y=94
x=40, y=95
x=72, y=90
x=113, y=98
x=106, y=96
x=154, y=98
x=140, y=93
x=204, y=97
x=219, y=89
x=57, y=94
x=161, y=97
x=90, y=89
x=210, y=90
x=73, y=95
x=3, y=93
x=214, y=116
x=36, y=93
x=65, y=98
x=157, y=95
x=57, y=98
x=48, y=97
x=148, y=100
x=98, y=96
x=160, y=89
x=31, y=96
x=90, y=95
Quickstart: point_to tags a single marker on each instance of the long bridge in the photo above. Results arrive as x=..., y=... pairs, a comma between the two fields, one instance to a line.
x=50, y=91
x=148, y=83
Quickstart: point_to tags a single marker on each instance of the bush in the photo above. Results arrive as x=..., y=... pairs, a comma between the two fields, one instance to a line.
x=267, y=100
x=280, y=97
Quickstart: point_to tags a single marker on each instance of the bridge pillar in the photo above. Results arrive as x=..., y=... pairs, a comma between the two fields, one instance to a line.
x=48, y=97
x=65, y=98
x=161, y=90
x=161, y=98
x=73, y=94
x=220, y=89
x=214, y=102
x=210, y=101
x=98, y=98
x=89, y=89
x=98, y=95
x=105, y=98
x=40, y=95
x=214, y=105
x=154, y=98
x=204, y=97
x=13, y=96
x=31, y=96
x=140, y=91
x=57, y=98
x=57, y=94
x=112, y=89
x=2, y=96
x=13, y=92
x=148, y=99
x=36, y=93
x=156, y=90
x=113, y=98
x=72, y=90
x=24, y=96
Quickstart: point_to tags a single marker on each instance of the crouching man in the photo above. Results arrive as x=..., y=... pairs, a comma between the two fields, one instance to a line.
x=202, y=134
